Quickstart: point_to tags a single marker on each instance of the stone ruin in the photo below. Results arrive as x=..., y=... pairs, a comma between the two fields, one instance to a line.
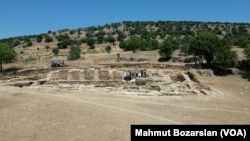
x=84, y=75
x=158, y=83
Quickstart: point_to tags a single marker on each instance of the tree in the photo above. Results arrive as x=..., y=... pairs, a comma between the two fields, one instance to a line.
x=74, y=53
x=29, y=43
x=185, y=44
x=154, y=44
x=134, y=43
x=72, y=32
x=100, y=39
x=79, y=32
x=7, y=55
x=55, y=51
x=110, y=39
x=16, y=43
x=145, y=35
x=39, y=38
x=47, y=47
x=121, y=36
x=48, y=39
x=108, y=49
x=150, y=44
x=215, y=51
x=122, y=45
x=166, y=48
x=62, y=37
x=247, y=51
x=225, y=59
x=91, y=42
x=204, y=46
x=64, y=43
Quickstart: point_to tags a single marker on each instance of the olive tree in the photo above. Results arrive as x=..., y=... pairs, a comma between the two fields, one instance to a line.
x=204, y=46
x=55, y=51
x=217, y=52
x=74, y=53
x=7, y=55
x=167, y=47
x=132, y=44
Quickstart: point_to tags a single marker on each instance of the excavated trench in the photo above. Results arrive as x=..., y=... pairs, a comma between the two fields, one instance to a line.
x=160, y=82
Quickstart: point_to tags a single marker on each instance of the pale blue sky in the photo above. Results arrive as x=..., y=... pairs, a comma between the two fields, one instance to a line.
x=28, y=17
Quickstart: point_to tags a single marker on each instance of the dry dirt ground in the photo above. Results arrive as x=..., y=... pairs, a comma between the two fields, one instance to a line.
x=38, y=114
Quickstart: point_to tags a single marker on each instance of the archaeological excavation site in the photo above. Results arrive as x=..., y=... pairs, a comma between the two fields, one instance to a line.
x=158, y=80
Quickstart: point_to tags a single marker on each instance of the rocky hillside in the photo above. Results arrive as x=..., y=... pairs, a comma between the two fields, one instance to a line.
x=236, y=33
x=109, y=38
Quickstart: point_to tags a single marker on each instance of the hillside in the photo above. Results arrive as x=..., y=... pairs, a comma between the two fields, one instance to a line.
x=94, y=98
x=94, y=40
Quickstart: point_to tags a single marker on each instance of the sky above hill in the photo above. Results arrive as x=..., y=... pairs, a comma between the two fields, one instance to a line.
x=28, y=17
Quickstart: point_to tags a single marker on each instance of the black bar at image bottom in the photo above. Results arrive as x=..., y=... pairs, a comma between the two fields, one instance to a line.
x=190, y=132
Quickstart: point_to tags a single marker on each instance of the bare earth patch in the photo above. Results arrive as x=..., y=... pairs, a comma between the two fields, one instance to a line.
x=90, y=113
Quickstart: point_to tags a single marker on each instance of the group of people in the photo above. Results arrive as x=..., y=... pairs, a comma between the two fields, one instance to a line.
x=129, y=75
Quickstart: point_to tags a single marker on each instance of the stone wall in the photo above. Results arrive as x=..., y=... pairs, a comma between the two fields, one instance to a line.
x=160, y=82
x=85, y=75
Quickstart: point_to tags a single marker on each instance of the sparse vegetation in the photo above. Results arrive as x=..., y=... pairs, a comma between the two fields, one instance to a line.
x=72, y=32
x=16, y=43
x=212, y=47
x=55, y=98
x=63, y=41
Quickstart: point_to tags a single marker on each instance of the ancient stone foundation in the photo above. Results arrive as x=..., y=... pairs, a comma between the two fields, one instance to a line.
x=85, y=75
x=160, y=82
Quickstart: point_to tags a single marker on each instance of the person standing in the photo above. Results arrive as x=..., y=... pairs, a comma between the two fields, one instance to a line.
x=145, y=73
x=125, y=76
x=136, y=73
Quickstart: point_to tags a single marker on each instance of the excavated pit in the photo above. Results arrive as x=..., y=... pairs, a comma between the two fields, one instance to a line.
x=158, y=82
x=161, y=83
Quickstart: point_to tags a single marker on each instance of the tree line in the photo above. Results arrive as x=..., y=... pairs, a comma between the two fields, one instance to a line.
x=206, y=47
x=236, y=33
